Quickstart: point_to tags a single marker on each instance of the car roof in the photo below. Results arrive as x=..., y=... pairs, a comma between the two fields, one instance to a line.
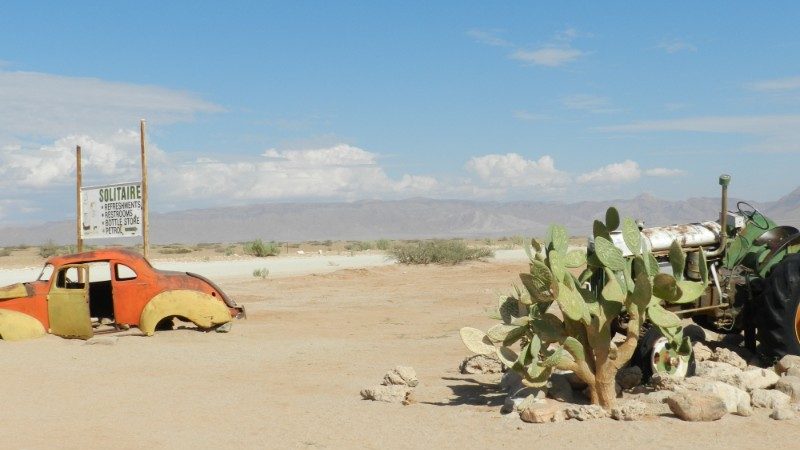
x=99, y=255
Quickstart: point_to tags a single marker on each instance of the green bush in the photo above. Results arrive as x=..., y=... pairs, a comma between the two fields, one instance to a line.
x=447, y=252
x=48, y=249
x=383, y=244
x=358, y=246
x=261, y=249
x=172, y=250
x=261, y=273
x=5, y=252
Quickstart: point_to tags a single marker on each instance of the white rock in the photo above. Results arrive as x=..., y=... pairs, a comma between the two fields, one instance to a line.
x=401, y=375
x=754, y=379
x=782, y=413
x=769, y=398
x=701, y=351
x=732, y=396
x=585, y=412
x=629, y=410
x=722, y=354
x=715, y=370
x=789, y=385
x=395, y=393
x=787, y=362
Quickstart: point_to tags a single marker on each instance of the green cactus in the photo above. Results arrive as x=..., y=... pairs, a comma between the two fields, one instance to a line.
x=581, y=341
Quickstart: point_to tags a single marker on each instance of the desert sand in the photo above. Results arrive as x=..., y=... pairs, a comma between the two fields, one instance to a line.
x=289, y=376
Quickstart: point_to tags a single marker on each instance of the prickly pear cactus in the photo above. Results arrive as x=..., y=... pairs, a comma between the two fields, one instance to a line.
x=532, y=341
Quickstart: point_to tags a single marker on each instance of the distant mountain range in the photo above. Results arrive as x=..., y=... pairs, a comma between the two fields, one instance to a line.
x=403, y=219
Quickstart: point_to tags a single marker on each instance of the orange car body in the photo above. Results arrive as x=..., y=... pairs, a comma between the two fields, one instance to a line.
x=132, y=294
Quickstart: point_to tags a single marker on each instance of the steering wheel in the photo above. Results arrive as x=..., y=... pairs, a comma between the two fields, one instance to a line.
x=753, y=215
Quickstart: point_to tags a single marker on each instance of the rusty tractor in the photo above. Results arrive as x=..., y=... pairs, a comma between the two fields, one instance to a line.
x=752, y=266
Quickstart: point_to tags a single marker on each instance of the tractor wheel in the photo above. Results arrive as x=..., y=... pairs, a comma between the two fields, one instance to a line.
x=652, y=345
x=779, y=312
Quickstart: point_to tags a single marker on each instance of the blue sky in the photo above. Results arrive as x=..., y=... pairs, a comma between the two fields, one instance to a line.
x=321, y=101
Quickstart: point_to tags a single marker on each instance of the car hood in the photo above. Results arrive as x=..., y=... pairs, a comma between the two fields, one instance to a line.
x=14, y=291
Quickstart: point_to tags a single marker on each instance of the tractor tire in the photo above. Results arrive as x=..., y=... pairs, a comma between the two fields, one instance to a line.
x=779, y=312
x=643, y=355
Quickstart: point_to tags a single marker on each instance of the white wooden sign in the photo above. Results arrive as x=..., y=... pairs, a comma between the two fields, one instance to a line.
x=111, y=211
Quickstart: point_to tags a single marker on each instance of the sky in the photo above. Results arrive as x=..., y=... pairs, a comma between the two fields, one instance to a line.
x=252, y=102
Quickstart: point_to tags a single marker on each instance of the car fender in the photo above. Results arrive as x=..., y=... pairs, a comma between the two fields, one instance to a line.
x=17, y=326
x=202, y=309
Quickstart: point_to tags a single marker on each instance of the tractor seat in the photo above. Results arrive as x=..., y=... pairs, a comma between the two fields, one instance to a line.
x=774, y=237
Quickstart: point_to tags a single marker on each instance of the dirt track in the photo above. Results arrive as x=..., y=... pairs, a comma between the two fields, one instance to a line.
x=289, y=376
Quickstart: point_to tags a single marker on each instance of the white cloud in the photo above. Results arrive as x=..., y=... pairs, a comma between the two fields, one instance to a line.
x=113, y=157
x=616, y=173
x=590, y=103
x=664, y=172
x=488, y=38
x=776, y=85
x=513, y=170
x=712, y=124
x=676, y=45
x=555, y=53
x=339, y=172
x=45, y=105
x=548, y=56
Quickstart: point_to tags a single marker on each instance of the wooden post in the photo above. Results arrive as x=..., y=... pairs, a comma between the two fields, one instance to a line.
x=78, y=207
x=145, y=218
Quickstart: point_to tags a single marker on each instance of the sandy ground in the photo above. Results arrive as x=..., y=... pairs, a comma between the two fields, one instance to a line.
x=289, y=377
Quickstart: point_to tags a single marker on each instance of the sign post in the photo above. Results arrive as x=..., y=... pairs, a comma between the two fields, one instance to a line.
x=145, y=224
x=79, y=247
x=113, y=210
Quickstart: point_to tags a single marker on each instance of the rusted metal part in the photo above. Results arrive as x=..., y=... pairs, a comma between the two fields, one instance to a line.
x=690, y=235
x=202, y=309
x=702, y=308
x=17, y=326
x=724, y=181
x=122, y=299
x=14, y=291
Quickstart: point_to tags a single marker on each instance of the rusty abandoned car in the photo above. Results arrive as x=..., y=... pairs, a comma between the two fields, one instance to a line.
x=118, y=288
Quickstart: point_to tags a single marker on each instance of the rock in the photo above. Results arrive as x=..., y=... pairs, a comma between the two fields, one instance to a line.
x=102, y=340
x=665, y=382
x=785, y=413
x=652, y=397
x=787, y=362
x=629, y=377
x=518, y=403
x=543, y=412
x=724, y=355
x=585, y=412
x=768, y=398
x=793, y=371
x=629, y=410
x=716, y=370
x=701, y=351
x=697, y=406
x=401, y=376
x=395, y=393
x=744, y=408
x=410, y=399
x=732, y=396
x=789, y=385
x=754, y=379
x=480, y=364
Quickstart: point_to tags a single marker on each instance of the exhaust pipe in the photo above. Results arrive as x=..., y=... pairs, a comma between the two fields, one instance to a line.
x=724, y=181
